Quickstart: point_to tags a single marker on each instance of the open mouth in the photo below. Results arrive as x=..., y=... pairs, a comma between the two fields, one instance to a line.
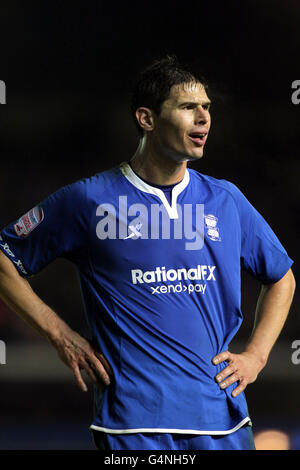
x=197, y=137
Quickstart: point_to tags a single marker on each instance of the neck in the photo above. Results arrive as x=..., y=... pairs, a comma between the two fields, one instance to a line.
x=157, y=169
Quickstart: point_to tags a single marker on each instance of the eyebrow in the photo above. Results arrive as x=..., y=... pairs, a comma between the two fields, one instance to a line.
x=185, y=103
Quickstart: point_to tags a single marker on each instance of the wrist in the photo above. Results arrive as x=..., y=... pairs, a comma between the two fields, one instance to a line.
x=55, y=328
x=261, y=357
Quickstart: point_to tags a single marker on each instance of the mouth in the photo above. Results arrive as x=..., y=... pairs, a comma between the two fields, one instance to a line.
x=198, y=137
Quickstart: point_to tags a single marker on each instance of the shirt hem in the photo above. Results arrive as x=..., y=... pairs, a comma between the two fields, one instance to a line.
x=170, y=431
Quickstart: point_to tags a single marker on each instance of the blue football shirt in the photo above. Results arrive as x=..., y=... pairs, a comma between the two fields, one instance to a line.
x=161, y=284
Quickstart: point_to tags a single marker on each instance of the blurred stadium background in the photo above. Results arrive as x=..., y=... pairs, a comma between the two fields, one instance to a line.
x=68, y=70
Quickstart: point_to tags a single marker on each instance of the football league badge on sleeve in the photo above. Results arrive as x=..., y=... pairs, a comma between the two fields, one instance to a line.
x=29, y=221
x=212, y=230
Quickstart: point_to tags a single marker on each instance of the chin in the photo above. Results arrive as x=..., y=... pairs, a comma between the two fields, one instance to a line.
x=193, y=158
x=186, y=156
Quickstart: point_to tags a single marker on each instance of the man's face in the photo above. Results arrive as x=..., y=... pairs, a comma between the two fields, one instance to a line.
x=182, y=127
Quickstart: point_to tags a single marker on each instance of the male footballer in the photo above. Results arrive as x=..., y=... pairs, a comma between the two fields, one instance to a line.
x=159, y=248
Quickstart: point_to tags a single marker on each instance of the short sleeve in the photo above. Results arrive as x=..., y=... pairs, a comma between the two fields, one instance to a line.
x=262, y=254
x=54, y=228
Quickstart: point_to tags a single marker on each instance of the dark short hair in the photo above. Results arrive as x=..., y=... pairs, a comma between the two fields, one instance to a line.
x=154, y=83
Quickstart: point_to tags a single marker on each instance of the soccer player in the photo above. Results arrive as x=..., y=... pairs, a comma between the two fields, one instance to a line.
x=159, y=248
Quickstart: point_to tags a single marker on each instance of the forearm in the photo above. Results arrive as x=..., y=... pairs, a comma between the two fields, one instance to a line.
x=75, y=351
x=17, y=293
x=272, y=310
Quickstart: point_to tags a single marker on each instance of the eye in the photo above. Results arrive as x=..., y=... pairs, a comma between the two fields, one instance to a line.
x=206, y=107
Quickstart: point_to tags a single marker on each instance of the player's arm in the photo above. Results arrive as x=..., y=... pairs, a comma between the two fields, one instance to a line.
x=75, y=351
x=272, y=310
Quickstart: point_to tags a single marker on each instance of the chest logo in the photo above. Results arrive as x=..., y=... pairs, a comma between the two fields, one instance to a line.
x=135, y=231
x=212, y=230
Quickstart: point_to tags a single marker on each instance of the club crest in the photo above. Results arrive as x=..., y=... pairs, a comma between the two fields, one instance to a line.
x=212, y=230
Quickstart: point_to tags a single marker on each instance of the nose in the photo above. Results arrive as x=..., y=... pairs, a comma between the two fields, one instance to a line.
x=202, y=115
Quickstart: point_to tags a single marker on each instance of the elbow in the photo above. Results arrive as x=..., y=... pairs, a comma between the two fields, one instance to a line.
x=293, y=284
x=288, y=282
x=291, y=279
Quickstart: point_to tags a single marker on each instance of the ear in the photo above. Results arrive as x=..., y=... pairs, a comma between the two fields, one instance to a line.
x=145, y=118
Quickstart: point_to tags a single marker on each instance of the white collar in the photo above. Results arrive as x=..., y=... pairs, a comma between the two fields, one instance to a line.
x=134, y=179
